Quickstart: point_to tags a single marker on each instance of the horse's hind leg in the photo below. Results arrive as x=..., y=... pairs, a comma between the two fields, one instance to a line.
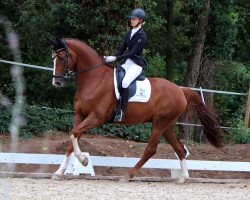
x=148, y=153
x=170, y=137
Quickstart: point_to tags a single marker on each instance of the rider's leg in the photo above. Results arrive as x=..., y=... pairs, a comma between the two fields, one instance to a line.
x=122, y=104
x=132, y=72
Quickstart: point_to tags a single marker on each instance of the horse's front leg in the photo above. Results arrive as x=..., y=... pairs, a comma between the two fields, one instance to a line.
x=90, y=122
x=57, y=175
x=77, y=151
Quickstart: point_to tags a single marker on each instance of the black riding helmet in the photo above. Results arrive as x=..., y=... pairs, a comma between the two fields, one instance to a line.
x=138, y=13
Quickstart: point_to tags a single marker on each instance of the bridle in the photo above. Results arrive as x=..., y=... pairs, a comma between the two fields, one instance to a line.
x=67, y=73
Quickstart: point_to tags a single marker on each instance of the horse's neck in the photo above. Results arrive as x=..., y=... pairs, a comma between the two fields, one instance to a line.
x=93, y=78
x=90, y=79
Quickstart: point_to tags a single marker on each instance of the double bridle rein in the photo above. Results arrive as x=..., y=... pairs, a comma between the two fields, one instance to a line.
x=67, y=74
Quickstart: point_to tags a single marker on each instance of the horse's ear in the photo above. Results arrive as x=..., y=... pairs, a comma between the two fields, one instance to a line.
x=61, y=43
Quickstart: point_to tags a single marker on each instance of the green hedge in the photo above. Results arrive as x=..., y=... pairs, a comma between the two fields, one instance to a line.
x=40, y=120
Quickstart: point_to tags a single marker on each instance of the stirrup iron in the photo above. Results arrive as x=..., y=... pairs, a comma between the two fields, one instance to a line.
x=119, y=116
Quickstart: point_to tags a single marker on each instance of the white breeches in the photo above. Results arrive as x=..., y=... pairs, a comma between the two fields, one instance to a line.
x=132, y=71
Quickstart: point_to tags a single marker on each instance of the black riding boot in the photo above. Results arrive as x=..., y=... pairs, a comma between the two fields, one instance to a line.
x=122, y=105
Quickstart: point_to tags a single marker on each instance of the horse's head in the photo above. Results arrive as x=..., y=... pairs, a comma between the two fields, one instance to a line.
x=63, y=62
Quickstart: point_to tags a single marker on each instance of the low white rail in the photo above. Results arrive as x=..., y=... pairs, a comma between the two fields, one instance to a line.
x=76, y=169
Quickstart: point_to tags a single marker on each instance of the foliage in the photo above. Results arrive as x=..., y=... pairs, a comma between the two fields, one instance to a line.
x=39, y=120
x=102, y=25
x=138, y=132
x=230, y=76
x=222, y=30
x=5, y=119
x=156, y=65
x=240, y=135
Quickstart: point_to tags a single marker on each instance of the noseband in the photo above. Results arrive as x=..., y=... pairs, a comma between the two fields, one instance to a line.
x=67, y=74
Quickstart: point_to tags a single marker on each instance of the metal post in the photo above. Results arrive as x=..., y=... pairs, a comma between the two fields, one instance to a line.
x=202, y=96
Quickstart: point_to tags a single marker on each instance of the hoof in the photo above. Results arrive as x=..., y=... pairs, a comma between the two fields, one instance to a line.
x=85, y=162
x=57, y=177
x=181, y=180
x=83, y=159
x=124, y=179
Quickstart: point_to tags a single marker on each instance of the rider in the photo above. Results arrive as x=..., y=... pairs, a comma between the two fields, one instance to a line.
x=133, y=62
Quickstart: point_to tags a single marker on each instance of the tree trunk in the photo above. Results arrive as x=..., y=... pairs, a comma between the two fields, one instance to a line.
x=169, y=47
x=195, y=59
x=205, y=80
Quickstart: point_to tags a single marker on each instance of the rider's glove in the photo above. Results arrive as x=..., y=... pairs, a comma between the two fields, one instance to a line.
x=109, y=59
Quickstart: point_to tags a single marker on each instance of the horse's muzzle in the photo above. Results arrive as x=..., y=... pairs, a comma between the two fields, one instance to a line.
x=58, y=82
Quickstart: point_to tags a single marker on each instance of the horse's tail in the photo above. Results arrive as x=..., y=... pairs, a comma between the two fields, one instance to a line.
x=207, y=117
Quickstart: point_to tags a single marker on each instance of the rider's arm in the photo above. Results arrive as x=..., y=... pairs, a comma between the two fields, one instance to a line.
x=139, y=45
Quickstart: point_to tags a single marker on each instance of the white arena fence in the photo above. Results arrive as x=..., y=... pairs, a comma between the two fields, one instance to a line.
x=76, y=168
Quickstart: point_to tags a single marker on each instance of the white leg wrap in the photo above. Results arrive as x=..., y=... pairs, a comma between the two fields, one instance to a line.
x=77, y=152
x=63, y=166
x=184, y=170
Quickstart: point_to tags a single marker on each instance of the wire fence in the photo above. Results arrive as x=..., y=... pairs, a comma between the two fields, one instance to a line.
x=200, y=89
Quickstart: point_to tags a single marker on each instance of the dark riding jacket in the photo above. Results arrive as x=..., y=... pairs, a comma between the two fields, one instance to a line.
x=134, y=47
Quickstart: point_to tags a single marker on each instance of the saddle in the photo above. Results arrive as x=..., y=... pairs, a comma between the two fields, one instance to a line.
x=120, y=73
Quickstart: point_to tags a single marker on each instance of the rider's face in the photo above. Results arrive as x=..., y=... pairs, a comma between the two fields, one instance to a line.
x=134, y=22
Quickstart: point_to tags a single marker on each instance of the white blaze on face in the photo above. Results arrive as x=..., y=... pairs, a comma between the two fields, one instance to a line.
x=54, y=71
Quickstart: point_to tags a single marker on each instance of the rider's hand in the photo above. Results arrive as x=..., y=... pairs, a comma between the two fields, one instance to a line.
x=109, y=58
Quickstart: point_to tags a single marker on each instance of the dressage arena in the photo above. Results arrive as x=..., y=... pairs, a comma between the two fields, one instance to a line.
x=105, y=185
x=25, y=188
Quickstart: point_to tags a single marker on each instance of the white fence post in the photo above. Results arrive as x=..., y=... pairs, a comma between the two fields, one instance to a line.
x=202, y=96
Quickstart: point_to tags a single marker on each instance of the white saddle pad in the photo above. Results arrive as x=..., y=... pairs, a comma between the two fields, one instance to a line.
x=143, y=90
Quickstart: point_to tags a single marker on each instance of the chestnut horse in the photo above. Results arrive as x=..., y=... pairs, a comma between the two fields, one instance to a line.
x=95, y=101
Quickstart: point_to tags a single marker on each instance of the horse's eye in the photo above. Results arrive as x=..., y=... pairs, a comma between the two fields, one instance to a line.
x=60, y=58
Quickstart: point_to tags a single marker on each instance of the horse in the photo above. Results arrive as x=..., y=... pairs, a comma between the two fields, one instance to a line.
x=95, y=101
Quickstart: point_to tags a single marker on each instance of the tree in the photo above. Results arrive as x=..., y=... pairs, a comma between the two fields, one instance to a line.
x=169, y=47
x=195, y=59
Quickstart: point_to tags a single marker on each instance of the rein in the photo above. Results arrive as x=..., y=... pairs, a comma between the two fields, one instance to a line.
x=85, y=70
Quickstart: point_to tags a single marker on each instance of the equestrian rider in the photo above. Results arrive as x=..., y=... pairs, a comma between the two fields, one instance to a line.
x=133, y=62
